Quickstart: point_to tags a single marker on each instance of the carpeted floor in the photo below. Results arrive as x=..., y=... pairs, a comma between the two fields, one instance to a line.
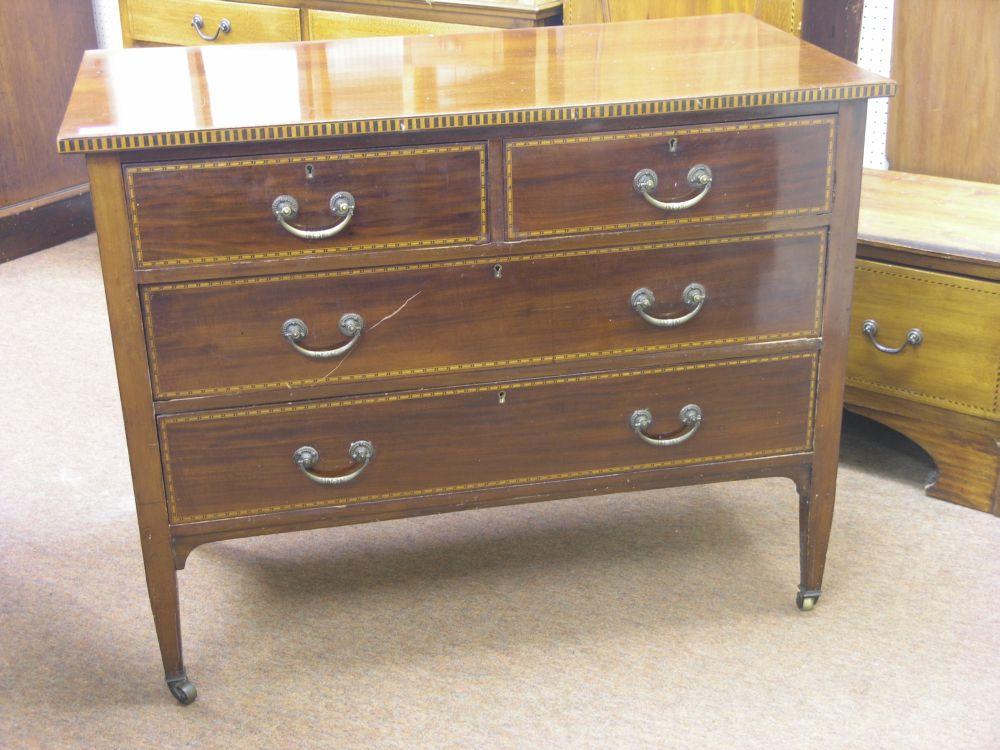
x=653, y=620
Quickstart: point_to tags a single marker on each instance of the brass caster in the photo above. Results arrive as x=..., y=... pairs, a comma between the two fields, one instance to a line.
x=806, y=600
x=183, y=690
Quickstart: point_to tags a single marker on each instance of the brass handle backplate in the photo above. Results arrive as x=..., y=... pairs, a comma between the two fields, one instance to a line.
x=285, y=208
x=361, y=452
x=914, y=337
x=199, y=23
x=699, y=177
x=689, y=416
x=693, y=296
x=351, y=324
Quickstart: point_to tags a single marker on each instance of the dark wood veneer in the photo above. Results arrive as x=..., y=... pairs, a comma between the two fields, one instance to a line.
x=535, y=424
x=478, y=437
x=584, y=183
x=221, y=337
x=200, y=211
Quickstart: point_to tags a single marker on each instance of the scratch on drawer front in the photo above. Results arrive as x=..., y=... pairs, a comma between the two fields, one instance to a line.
x=390, y=315
x=397, y=310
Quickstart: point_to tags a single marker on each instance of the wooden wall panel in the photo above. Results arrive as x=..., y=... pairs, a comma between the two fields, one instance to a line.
x=41, y=43
x=43, y=195
x=945, y=57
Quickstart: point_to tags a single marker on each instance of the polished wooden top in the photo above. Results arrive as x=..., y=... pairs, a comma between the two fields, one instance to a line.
x=931, y=215
x=148, y=98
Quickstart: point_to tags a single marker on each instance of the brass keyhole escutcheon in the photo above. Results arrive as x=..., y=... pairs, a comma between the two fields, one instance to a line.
x=497, y=270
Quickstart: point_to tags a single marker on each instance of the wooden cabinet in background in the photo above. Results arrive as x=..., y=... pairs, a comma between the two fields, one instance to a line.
x=928, y=284
x=834, y=26
x=44, y=199
x=196, y=22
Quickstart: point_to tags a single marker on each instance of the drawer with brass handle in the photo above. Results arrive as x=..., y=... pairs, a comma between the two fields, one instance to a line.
x=323, y=453
x=926, y=336
x=193, y=22
x=279, y=332
x=644, y=178
x=306, y=204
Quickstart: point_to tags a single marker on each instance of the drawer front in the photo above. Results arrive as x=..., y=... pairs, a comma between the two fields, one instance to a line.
x=207, y=211
x=240, y=462
x=226, y=336
x=586, y=183
x=171, y=22
x=325, y=24
x=955, y=366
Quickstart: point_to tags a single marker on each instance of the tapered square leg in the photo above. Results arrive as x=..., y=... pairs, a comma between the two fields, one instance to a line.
x=816, y=500
x=161, y=581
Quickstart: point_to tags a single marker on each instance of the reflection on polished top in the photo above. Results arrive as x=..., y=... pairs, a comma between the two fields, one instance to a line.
x=160, y=97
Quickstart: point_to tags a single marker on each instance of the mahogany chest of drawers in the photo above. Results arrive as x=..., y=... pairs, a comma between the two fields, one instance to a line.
x=360, y=281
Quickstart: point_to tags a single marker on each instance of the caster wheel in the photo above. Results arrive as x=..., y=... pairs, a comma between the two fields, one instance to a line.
x=806, y=600
x=183, y=690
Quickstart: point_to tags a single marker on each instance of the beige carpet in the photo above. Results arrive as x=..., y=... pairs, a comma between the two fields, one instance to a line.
x=654, y=620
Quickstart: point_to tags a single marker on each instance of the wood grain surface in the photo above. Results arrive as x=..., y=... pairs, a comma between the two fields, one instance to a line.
x=958, y=364
x=196, y=212
x=336, y=25
x=224, y=337
x=239, y=462
x=43, y=196
x=785, y=14
x=169, y=22
x=316, y=89
x=578, y=184
x=946, y=55
x=926, y=219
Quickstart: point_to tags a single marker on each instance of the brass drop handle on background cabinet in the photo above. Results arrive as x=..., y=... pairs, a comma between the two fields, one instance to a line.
x=914, y=337
x=642, y=419
x=351, y=324
x=286, y=208
x=361, y=452
x=698, y=177
x=693, y=296
x=198, y=23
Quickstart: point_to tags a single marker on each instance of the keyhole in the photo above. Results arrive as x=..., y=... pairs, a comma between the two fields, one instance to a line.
x=502, y=397
x=672, y=145
x=497, y=271
x=310, y=175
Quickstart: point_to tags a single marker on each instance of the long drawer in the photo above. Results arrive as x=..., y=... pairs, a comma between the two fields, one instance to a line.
x=173, y=22
x=417, y=443
x=228, y=210
x=325, y=24
x=226, y=336
x=955, y=364
x=587, y=183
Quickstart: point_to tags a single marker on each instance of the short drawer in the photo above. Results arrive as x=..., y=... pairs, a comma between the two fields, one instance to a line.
x=173, y=22
x=223, y=210
x=325, y=24
x=225, y=336
x=587, y=183
x=955, y=365
x=242, y=462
